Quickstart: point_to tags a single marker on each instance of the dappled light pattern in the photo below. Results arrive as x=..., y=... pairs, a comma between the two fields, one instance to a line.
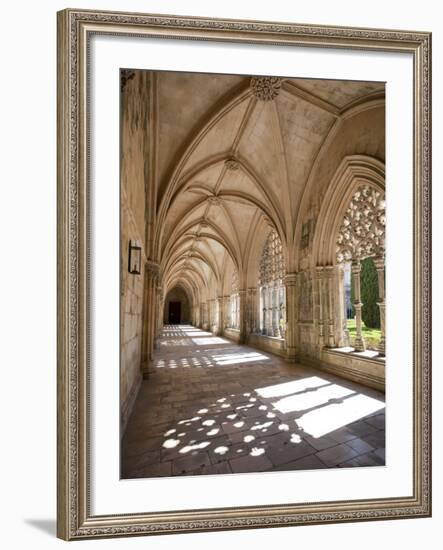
x=226, y=409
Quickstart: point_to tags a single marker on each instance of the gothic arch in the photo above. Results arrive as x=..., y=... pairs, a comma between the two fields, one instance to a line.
x=352, y=172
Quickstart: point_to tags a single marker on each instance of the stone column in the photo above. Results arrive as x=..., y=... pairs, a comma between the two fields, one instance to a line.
x=242, y=315
x=214, y=319
x=204, y=315
x=359, y=340
x=252, y=310
x=275, y=312
x=291, y=312
x=159, y=314
x=263, y=310
x=282, y=310
x=329, y=273
x=268, y=311
x=149, y=315
x=320, y=304
x=220, y=321
x=210, y=314
x=379, y=263
x=342, y=331
x=226, y=315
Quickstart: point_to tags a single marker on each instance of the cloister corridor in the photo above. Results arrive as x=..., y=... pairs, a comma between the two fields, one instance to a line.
x=211, y=406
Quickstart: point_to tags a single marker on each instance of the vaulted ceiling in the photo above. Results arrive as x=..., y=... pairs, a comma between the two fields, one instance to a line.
x=235, y=155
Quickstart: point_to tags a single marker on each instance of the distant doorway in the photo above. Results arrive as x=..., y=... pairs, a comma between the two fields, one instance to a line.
x=174, y=314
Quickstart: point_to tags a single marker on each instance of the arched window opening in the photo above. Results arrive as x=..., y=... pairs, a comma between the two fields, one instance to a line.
x=272, y=291
x=361, y=251
x=235, y=302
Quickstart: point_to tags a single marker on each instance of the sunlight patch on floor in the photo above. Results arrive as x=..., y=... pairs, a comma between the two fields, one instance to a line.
x=321, y=421
x=296, y=386
x=233, y=358
x=206, y=341
x=318, y=397
x=322, y=405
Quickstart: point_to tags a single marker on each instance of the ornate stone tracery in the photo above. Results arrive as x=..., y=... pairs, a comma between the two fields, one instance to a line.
x=362, y=233
x=272, y=289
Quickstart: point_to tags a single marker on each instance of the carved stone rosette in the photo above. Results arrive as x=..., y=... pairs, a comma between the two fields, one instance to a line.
x=232, y=164
x=266, y=88
x=214, y=201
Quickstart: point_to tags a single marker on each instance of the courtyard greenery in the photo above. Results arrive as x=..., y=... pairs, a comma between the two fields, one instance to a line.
x=369, y=294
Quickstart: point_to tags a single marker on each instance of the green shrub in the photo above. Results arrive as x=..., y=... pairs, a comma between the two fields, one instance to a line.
x=369, y=294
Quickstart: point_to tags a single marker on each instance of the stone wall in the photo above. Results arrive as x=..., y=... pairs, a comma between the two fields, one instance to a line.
x=267, y=343
x=131, y=317
x=232, y=334
x=132, y=222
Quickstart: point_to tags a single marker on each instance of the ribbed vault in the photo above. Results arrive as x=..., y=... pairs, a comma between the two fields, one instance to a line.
x=232, y=162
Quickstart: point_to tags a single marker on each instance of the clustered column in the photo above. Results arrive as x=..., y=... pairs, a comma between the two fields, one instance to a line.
x=149, y=314
x=320, y=305
x=275, y=311
x=263, y=309
x=329, y=274
x=220, y=320
x=204, y=315
x=252, y=310
x=342, y=321
x=211, y=320
x=160, y=306
x=359, y=340
x=226, y=311
x=379, y=263
x=268, y=311
x=291, y=310
x=242, y=314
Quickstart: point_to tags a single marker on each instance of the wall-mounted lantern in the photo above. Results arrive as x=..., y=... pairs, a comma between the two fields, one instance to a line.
x=134, y=258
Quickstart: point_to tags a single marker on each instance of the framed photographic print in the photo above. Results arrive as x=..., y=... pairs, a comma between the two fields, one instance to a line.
x=244, y=274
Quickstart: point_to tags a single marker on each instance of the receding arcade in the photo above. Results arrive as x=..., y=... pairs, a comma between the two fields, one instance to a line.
x=254, y=201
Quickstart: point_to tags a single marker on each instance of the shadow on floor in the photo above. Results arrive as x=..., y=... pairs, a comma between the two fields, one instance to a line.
x=48, y=526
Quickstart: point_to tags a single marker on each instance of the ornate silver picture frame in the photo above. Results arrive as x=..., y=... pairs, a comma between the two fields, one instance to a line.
x=77, y=517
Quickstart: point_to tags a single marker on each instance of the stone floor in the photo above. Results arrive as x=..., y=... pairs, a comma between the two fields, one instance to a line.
x=213, y=407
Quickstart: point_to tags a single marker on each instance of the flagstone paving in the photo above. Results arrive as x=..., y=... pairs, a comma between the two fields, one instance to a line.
x=213, y=407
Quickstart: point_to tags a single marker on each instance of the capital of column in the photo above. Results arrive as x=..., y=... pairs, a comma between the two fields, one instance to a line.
x=291, y=279
x=324, y=271
x=379, y=263
x=152, y=268
x=355, y=267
